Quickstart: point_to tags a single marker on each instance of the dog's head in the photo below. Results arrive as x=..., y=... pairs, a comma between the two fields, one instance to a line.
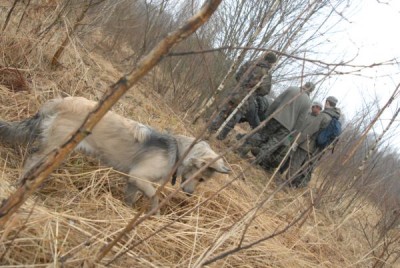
x=199, y=156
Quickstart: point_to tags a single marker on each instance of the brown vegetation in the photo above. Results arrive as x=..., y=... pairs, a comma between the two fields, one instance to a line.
x=346, y=217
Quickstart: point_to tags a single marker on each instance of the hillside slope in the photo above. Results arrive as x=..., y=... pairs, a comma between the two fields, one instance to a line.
x=79, y=209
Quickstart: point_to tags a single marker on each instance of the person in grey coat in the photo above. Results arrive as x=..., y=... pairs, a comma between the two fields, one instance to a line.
x=293, y=105
x=304, y=150
x=301, y=161
x=254, y=109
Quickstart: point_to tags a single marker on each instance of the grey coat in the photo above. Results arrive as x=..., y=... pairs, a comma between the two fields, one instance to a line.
x=310, y=131
x=293, y=115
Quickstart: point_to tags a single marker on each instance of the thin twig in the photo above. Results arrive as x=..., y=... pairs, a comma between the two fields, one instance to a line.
x=185, y=53
x=240, y=248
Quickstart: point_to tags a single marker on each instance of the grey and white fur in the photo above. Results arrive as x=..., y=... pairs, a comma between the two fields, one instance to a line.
x=143, y=153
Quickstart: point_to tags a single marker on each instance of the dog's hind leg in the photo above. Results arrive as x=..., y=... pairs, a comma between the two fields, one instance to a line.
x=34, y=158
x=31, y=161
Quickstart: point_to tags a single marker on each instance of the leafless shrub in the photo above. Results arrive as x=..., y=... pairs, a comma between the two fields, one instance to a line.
x=124, y=31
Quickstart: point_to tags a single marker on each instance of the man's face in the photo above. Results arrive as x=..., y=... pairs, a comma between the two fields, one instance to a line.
x=315, y=110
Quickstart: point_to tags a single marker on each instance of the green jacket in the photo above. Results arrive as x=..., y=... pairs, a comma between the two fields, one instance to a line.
x=293, y=115
x=328, y=113
x=313, y=126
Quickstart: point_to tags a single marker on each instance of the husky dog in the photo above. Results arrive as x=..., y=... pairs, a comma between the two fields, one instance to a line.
x=141, y=152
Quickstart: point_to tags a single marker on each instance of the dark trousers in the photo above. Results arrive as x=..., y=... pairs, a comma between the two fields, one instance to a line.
x=268, y=144
x=300, y=168
x=247, y=113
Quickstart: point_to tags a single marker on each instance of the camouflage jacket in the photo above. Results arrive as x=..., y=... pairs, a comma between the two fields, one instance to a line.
x=259, y=72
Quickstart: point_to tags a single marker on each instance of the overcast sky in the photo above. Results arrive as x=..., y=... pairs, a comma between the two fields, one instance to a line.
x=371, y=36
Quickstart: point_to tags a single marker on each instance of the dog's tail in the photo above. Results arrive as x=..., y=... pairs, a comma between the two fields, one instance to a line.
x=22, y=132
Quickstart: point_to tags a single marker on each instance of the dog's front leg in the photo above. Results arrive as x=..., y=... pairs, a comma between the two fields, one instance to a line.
x=130, y=192
x=144, y=185
x=148, y=189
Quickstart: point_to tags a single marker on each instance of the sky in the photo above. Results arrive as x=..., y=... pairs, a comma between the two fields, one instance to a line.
x=369, y=36
x=373, y=30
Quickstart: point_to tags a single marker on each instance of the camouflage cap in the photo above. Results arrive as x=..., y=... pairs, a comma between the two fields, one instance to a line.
x=309, y=86
x=270, y=57
x=332, y=100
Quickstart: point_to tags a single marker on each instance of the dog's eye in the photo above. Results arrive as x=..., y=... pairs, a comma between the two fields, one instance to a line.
x=201, y=180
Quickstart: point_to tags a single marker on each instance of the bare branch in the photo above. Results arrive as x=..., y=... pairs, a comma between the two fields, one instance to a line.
x=284, y=54
x=258, y=241
x=33, y=178
x=364, y=134
x=67, y=39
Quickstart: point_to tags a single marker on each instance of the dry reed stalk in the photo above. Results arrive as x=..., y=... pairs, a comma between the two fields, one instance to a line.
x=13, y=79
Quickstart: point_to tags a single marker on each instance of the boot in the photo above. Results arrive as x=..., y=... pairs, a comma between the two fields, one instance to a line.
x=224, y=132
x=243, y=151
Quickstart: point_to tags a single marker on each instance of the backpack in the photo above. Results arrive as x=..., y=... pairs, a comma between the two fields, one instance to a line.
x=327, y=135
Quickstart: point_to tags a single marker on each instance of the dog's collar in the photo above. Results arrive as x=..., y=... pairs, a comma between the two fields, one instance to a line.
x=175, y=175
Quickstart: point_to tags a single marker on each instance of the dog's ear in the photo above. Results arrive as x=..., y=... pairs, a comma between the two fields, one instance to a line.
x=219, y=166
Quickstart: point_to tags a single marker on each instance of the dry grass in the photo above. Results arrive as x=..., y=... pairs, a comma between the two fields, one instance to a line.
x=79, y=209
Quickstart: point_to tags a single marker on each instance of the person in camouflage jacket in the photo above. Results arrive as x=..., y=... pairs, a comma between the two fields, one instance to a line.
x=254, y=108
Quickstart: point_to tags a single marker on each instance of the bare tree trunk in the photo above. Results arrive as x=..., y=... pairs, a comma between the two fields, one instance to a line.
x=67, y=39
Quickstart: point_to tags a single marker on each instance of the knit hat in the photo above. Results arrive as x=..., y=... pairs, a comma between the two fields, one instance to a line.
x=317, y=103
x=332, y=100
x=309, y=86
x=270, y=57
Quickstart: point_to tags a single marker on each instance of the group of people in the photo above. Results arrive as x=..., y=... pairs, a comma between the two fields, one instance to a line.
x=296, y=123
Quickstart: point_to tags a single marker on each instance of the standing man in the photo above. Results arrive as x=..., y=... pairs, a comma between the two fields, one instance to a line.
x=255, y=107
x=301, y=164
x=294, y=105
x=305, y=149
x=316, y=108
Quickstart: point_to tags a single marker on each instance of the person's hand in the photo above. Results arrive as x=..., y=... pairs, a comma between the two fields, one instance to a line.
x=239, y=136
x=294, y=146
